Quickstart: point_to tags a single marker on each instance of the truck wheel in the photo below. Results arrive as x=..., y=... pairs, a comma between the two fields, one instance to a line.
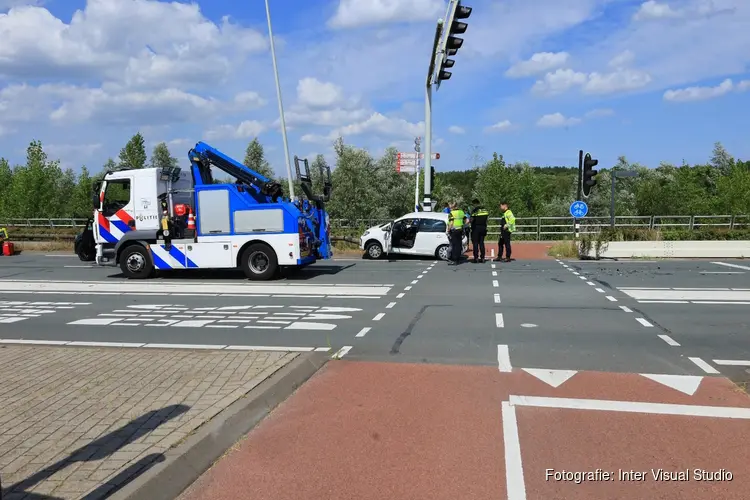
x=443, y=252
x=374, y=250
x=135, y=262
x=259, y=262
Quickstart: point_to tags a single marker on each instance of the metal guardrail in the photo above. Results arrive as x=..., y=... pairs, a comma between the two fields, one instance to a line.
x=539, y=228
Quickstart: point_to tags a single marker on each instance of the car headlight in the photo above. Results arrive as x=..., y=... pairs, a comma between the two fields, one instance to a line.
x=365, y=233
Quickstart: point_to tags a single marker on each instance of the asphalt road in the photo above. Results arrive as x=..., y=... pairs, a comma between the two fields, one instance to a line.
x=669, y=317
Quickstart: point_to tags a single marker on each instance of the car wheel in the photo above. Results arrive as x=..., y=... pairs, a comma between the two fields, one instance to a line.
x=374, y=250
x=443, y=252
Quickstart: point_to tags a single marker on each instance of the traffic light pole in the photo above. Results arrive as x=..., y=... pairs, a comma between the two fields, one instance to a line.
x=579, y=190
x=428, y=121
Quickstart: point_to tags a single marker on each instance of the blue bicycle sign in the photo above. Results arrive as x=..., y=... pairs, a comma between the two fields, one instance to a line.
x=579, y=209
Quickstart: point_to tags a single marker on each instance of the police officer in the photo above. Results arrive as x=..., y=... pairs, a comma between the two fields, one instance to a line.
x=456, y=220
x=479, y=218
x=508, y=227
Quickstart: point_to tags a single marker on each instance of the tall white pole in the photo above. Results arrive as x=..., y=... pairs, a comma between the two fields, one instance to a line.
x=428, y=148
x=281, y=105
x=416, y=186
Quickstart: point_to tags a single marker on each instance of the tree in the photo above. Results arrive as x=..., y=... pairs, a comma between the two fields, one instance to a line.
x=133, y=155
x=255, y=159
x=162, y=158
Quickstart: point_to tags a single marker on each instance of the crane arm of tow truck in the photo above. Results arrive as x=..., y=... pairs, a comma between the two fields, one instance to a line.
x=203, y=157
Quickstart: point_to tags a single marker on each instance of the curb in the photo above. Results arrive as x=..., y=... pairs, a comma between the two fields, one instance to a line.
x=184, y=464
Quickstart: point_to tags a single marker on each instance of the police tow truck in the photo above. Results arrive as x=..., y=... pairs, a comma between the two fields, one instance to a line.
x=158, y=219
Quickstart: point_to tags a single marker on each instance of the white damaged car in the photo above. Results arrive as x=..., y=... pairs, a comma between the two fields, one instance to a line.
x=417, y=233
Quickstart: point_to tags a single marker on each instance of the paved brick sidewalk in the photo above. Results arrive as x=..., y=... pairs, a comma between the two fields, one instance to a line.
x=79, y=422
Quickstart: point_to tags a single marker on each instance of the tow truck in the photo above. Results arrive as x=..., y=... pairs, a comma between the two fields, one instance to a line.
x=160, y=219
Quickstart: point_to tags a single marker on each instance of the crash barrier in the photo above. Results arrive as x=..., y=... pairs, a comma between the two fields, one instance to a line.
x=673, y=250
x=530, y=228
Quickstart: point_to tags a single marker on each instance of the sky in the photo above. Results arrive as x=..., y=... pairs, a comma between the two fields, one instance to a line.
x=536, y=80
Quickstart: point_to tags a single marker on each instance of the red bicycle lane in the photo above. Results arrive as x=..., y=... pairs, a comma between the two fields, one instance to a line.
x=370, y=430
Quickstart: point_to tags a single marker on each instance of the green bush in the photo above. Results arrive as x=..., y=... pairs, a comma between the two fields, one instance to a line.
x=706, y=234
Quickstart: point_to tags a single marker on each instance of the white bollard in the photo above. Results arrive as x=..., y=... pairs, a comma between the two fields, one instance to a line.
x=492, y=253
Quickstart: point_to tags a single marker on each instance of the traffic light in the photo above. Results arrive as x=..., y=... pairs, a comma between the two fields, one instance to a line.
x=432, y=176
x=589, y=174
x=452, y=42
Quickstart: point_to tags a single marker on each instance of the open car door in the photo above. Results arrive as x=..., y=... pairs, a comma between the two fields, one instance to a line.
x=388, y=239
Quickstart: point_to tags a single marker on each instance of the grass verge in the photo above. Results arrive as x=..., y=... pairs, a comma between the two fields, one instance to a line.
x=567, y=249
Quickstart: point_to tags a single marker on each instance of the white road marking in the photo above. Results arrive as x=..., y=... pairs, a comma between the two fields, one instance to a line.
x=420, y=276
x=363, y=331
x=514, y=480
x=184, y=346
x=303, y=325
x=704, y=366
x=590, y=283
x=414, y=282
x=722, y=272
x=497, y=298
x=79, y=267
x=378, y=316
x=663, y=302
x=610, y=298
x=706, y=294
x=495, y=283
x=731, y=362
x=390, y=305
x=687, y=384
x=528, y=325
x=400, y=295
x=503, y=358
x=494, y=273
x=631, y=407
x=70, y=256
x=407, y=288
x=736, y=266
x=34, y=342
x=499, y=321
x=669, y=340
x=644, y=322
x=493, y=266
x=342, y=352
x=577, y=274
x=600, y=290
x=583, y=277
x=204, y=289
x=720, y=303
x=555, y=378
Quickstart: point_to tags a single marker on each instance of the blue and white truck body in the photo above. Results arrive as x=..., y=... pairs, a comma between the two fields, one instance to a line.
x=143, y=220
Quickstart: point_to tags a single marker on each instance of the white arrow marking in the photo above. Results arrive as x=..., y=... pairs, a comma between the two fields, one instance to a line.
x=683, y=383
x=555, y=378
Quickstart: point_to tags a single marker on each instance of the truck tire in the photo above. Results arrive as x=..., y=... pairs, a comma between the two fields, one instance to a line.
x=135, y=262
x=259, y=262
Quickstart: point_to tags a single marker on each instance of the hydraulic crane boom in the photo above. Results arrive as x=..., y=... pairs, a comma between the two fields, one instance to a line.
x=203, y=157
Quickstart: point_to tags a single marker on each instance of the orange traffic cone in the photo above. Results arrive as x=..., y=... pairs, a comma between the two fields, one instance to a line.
x=191, y=221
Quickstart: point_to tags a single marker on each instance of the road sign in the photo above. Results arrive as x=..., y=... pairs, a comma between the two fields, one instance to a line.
x=406, y=169
x=407, y=162
x=408, y=156
x=579, y=209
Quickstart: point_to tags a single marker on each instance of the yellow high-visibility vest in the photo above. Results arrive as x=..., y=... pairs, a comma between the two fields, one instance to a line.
x=457, y=216
x=510, y=221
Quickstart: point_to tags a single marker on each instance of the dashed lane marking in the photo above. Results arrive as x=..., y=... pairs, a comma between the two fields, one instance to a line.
x=495, y=283
x=494, y=273
x=497, y=298
x=669, y=340
x=503, y=358
x=644, y=322
x=590, y=283
x=626, y=309
x=732, y=362
x=407, y=288
x=600, y=290
x=363, y=331
x=414, y=282
x=611, y=299
x=390, y=305
x=499, y=321
x=400, y=295
x=704, y=366
x=378, y=316
x=342, y=352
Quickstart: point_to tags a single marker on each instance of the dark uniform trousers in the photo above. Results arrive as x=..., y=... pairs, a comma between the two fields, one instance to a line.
x=456, y=239
x=503, y=241
x=478, y=233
